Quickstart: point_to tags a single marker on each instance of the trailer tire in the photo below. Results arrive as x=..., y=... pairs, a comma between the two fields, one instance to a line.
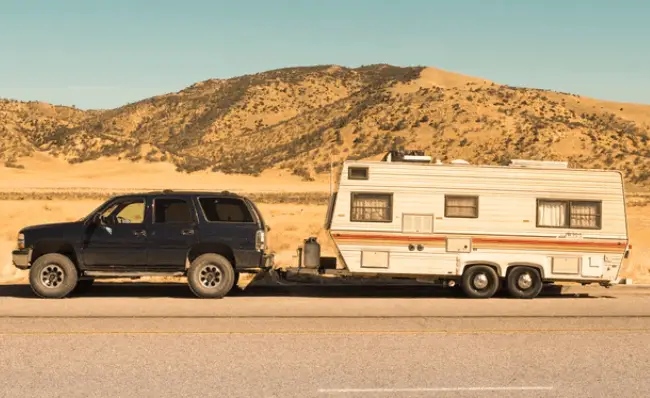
x=210, y=276
x=480, y=281
x=53, y=275
x=524, y=282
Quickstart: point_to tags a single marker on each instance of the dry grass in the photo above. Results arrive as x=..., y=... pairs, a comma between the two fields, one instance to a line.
x=290, y=224
x=296, y=119
x=271, y=136
x=300, y=198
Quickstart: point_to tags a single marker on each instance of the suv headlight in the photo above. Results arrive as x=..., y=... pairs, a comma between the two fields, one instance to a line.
x=21, y=241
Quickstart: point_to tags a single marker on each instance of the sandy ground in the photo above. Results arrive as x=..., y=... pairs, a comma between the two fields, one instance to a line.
x=290, y=223
x=42, y=171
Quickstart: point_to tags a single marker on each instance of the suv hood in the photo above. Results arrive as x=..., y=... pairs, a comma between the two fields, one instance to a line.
x=60, y=226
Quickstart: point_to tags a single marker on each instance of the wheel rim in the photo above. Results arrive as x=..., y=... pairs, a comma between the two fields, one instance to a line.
x=480, y=281
x=210, y=276
x=525, y=281
x=52, y=276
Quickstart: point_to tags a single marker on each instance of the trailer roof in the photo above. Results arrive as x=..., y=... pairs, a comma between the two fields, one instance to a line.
x=520, y=164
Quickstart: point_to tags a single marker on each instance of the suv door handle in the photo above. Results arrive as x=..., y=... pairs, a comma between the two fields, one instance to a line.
x=140, y=232
x=187, y=232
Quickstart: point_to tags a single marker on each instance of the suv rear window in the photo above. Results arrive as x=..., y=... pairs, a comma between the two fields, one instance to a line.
x=225, y=210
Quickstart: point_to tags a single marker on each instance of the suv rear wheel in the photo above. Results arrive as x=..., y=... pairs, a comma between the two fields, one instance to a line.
x=53, y=275
x=210, y=276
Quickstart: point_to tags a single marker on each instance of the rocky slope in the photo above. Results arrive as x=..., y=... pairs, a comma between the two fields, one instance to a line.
x=297, y=118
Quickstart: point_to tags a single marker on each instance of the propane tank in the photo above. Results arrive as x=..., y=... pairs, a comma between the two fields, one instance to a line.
x=311, y=253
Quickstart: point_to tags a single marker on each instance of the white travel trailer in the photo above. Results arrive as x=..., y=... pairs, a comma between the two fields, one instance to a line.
x=483, y=227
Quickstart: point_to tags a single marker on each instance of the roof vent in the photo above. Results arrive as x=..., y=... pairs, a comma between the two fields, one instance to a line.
x=546, y=164
x=411, y=156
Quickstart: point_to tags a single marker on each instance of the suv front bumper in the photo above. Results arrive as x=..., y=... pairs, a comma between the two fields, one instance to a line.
x=22, y=258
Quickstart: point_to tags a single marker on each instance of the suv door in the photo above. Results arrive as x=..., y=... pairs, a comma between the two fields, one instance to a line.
x=120, y=238
x=172, y=232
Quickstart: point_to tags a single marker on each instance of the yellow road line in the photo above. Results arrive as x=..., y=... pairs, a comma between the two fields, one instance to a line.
x=320, y=332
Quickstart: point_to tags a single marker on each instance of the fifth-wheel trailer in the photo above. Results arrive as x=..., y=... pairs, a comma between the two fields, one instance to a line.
x=480, y=227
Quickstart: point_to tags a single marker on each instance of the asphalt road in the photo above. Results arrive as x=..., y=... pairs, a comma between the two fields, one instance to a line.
x=345, y=342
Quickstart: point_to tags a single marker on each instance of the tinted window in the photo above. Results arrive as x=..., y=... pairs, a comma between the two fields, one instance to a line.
x=225, y=210
x=125, y=212
x=172, y=211
x=358, y=173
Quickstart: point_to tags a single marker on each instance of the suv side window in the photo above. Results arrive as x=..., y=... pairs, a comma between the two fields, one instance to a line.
x=172, y=211
x=225, y=210
x=130, y=211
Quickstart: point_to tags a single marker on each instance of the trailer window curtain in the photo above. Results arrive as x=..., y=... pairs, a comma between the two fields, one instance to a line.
x=461, y=206
x=368, y=207
x=568, y=214
x=585, y=215
x=551, y=214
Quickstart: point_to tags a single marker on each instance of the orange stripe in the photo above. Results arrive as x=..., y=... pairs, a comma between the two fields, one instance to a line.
x=480, y=240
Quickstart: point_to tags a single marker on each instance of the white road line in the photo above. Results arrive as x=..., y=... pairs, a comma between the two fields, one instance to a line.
x=432, y=389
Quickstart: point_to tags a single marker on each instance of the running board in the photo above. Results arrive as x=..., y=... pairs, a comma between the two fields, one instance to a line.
x=130, y=274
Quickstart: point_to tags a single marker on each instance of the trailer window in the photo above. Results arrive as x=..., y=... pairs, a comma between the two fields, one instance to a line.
x=569, y=214
x=461, y=206
x=358, y=173
x=371, y=207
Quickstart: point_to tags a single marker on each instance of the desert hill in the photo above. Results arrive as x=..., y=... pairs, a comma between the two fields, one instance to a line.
x=296, y=118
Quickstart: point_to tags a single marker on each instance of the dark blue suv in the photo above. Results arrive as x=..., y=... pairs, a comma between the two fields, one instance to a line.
x=210, y=237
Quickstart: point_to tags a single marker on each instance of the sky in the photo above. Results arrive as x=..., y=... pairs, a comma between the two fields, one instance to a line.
x=104, y=54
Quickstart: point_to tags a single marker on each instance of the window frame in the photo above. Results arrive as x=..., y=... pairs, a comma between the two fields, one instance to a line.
x=186, y=199
x=365, y=169
x=476, y=199
x=117, y=202
x=390, y=210
x=567, y=216
x=253, y=214
x=134, y=201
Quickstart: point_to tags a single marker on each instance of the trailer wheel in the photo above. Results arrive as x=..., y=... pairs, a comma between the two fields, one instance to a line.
x=480, y=281
x=53, y=275
x=524, y=282
x=210, y=276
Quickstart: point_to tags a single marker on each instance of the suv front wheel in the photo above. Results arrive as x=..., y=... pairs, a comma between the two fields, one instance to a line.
x=53, y=275
x=210, y=276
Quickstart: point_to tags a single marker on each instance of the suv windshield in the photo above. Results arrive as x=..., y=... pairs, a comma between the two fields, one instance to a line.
x=95, y=210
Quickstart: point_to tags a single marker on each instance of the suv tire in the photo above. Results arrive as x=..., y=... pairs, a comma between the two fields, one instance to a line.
x=210, y=276
x=53, y=276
